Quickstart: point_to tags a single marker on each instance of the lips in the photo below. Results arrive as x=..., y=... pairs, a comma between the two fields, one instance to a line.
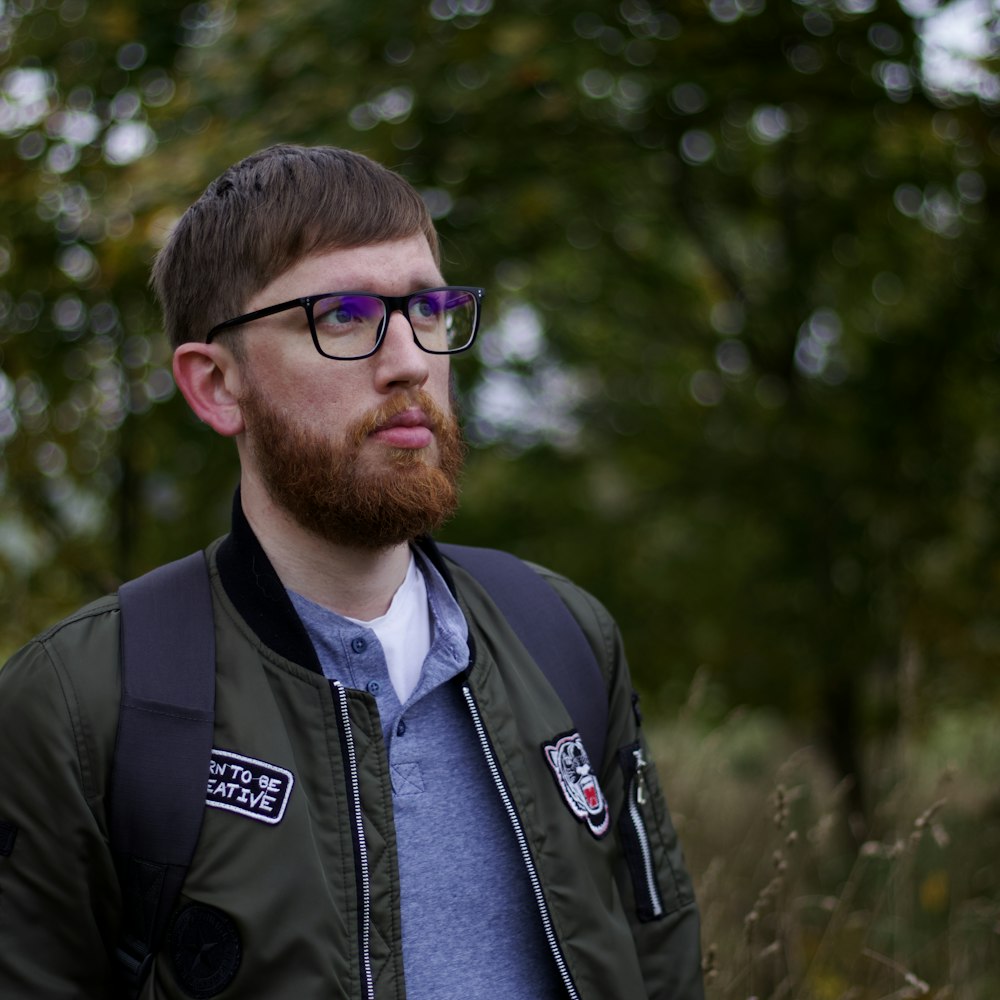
x=413, y=417
x=409, y=429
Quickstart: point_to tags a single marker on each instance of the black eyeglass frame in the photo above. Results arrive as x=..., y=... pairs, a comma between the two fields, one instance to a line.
x=391, y=304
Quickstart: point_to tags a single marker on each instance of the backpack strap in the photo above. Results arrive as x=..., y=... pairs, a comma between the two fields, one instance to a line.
x=549, y=632
x=163, y=749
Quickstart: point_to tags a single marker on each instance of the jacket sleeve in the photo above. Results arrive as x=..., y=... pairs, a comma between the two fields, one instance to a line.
x=58, y=890
x=653, y=882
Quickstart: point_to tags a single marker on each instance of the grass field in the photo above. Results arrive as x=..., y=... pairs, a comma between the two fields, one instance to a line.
x=795, y=906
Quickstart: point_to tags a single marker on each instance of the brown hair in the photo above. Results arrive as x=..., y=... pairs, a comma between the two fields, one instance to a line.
x=266, y=213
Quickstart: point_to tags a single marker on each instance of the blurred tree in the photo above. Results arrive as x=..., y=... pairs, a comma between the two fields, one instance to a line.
x=742, y=344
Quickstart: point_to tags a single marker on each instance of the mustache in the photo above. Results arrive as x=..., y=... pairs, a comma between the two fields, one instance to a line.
x=378, y=416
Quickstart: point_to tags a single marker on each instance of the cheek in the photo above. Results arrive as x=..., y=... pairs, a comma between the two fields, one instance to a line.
x=328, y=403
x=439, y=382
x=304, y=380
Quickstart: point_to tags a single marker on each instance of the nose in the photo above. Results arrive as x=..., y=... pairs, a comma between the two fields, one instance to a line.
x=399, y=362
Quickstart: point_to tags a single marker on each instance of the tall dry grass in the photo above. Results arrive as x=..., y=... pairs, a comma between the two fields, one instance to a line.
x=795, y=905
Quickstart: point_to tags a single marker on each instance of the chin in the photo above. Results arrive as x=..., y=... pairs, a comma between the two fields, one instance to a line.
x=408, y=458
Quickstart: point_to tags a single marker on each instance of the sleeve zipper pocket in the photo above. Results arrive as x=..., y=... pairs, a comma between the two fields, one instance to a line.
x=635, y=836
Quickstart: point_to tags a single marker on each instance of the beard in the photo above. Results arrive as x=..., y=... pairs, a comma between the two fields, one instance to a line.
x=335, y=493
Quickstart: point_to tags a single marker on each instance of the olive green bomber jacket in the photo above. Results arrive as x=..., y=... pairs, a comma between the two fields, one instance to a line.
x=291, y=907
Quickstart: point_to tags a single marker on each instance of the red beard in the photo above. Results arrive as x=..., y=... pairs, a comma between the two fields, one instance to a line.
x=323, y=486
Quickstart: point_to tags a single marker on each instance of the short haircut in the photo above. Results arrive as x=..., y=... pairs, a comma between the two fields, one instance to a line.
x=266, y=213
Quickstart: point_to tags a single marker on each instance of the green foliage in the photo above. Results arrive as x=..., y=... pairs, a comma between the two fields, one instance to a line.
x=740, y=371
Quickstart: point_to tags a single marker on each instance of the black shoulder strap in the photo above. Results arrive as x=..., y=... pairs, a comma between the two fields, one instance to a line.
x=549, y=632
x=163, y=749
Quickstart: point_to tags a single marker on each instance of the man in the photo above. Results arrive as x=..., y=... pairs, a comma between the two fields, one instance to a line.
x=421, y=837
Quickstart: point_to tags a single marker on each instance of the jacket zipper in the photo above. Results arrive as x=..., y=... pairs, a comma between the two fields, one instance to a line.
x=522, y=843
x=639, y=825
x=365, y=892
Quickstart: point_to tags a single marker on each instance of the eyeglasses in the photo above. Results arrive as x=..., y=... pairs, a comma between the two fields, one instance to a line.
x=347, y=326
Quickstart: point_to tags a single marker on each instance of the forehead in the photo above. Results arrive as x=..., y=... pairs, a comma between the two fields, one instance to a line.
x=392, y=268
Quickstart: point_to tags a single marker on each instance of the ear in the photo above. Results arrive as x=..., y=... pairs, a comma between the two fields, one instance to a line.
x=210, y=380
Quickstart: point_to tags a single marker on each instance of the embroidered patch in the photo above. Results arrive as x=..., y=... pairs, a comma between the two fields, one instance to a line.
x=205, y=950
x=249, y=787
x=578, y=783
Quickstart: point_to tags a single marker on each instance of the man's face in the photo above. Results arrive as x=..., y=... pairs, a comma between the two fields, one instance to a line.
x=364, y=452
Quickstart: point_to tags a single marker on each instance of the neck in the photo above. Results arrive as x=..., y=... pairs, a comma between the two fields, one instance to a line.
x=349, y=580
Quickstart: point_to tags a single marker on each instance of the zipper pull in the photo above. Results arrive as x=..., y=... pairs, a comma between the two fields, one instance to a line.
x=640, y=776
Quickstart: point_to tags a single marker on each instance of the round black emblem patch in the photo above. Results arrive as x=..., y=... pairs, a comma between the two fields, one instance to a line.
x=204, y=949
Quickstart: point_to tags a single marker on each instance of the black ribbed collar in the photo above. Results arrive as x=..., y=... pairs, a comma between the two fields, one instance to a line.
x=260, y=597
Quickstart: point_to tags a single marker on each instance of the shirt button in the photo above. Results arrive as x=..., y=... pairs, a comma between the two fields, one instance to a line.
x=401, y=728
x=358, y=644
x=373, y=687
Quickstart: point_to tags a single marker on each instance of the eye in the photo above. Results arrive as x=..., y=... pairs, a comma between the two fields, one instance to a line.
x=343, y=312
x=426, y=306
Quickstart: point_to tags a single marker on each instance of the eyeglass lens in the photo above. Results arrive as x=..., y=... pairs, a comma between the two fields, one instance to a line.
x=348, y=325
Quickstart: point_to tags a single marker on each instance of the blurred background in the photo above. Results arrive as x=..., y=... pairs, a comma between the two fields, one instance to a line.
x=739, y=376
